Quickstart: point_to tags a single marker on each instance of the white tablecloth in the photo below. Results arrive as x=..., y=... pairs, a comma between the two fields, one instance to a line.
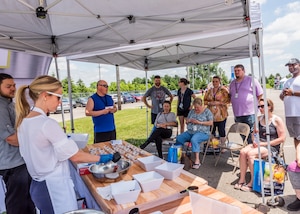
x=82, y=190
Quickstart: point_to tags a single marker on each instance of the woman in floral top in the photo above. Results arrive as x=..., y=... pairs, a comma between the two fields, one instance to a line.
x=198, y=122
x=217, y=100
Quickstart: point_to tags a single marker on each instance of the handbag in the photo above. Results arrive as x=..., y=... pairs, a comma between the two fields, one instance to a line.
x=277, y=181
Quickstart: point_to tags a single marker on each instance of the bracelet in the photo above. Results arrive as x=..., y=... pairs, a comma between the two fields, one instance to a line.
x=293, y=94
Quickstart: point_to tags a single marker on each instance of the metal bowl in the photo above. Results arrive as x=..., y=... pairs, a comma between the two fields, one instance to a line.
x=111, y=170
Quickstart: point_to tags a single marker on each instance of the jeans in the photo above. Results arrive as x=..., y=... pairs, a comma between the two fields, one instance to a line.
x=249, y=119
x=196, y=139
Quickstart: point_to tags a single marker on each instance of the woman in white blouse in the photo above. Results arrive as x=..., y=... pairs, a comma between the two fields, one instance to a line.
x=46, y=149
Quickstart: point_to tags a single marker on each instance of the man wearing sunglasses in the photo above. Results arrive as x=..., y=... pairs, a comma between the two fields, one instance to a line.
x=291, y=98
x=12, y=166
x=102, y=108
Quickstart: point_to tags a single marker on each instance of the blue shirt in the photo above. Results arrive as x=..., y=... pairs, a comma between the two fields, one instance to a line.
x=103, y=123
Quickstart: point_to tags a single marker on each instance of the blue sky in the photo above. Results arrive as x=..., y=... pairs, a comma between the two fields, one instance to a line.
x=281, y=42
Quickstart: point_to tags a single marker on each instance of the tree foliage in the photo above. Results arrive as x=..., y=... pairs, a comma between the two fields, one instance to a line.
x=199, y=76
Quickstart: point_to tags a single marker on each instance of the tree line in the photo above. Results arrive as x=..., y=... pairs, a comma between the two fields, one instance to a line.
x=199, y=76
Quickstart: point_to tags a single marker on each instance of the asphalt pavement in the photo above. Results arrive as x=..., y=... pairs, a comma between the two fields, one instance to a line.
x=221, y=176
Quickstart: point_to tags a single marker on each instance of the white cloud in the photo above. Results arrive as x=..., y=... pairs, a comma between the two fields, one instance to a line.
x=294, y=6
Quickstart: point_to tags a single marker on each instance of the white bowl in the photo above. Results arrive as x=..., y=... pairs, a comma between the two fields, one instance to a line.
x=149, y=180
x=150, y=162
x=169, y=170
x=80, y=139
x=125, y=191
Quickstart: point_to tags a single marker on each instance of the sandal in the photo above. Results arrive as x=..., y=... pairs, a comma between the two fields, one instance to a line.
x=196, y=165
x=246, y=188
x=238, y=186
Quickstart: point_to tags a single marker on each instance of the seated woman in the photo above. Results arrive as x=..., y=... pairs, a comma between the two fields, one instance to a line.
x=199, y=121
x=250, y=152
x=163, y=128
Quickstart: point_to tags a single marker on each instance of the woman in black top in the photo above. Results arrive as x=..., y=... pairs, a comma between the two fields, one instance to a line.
x=185, y=96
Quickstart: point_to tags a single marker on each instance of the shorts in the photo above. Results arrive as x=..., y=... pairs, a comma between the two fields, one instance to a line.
x=293, y=126
x=183, y=113
x=294, y=179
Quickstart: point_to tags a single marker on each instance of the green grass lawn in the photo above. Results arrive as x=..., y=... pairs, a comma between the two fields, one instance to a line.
x=130, y=125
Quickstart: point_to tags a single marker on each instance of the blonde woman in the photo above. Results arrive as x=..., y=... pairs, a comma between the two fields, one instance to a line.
x=198, y=122
x=46, y=148
x=250, y=152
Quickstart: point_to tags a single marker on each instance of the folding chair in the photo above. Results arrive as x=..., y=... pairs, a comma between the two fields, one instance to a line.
x=207, y=146
x=240, y=132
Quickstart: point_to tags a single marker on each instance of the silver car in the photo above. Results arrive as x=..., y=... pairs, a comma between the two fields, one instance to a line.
x=66, y=106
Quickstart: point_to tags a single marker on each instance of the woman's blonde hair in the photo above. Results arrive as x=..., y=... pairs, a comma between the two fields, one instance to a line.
x=197, y=101
x=38, y=85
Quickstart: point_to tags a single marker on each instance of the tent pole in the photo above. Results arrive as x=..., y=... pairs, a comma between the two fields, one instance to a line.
x=70, y=96
x=62, y=112
x=118, y=87
x=255, y=109
x=266, y=113
x=146, y=77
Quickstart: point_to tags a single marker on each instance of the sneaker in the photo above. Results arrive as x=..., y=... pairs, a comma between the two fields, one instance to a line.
x=295, y=206
x=144, y=145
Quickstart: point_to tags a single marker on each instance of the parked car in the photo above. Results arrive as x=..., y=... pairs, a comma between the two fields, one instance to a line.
x=196, y=91
x=74, y=105
x=128, y=98
x=137, y=96
x=66, y=106
x=81, y=101
x=174, y=93
x=115, y=98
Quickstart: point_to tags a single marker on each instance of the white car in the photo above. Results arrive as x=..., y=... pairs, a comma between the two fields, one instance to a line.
x=115, y=98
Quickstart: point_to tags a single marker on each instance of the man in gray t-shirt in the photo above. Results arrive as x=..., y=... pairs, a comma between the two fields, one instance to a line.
x=158, y=95
x=12, y=166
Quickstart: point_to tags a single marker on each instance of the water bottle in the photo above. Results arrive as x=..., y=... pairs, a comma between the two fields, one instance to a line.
x=256, y=138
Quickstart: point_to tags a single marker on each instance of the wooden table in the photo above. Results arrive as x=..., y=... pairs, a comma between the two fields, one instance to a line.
x=183, y=205
x=167, y=199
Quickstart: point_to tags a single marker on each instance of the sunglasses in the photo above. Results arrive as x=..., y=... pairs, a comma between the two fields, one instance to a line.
x=105, y=86
x=190, y=188
x=59, y=96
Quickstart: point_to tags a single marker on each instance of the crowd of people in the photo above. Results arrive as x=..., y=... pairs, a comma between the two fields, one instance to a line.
x=43, y=180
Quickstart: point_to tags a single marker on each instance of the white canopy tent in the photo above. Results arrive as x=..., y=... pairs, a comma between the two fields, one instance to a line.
x=154, y=29
x=77, y=26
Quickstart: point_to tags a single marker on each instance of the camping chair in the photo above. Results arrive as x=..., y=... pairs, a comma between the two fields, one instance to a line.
x=241, y=132
x=171, y=140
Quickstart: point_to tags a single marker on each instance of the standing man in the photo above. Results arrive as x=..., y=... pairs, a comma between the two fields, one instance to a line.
x=158, y=94
x=12, y=166
x=291, y=98
x=242, y=99
x=102, y=108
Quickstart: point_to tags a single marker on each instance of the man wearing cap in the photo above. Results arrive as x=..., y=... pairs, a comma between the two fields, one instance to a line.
x=291, y=98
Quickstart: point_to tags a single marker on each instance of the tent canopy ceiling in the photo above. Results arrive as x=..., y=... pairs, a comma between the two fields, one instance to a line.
x=75, y=27
x=217, y=48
